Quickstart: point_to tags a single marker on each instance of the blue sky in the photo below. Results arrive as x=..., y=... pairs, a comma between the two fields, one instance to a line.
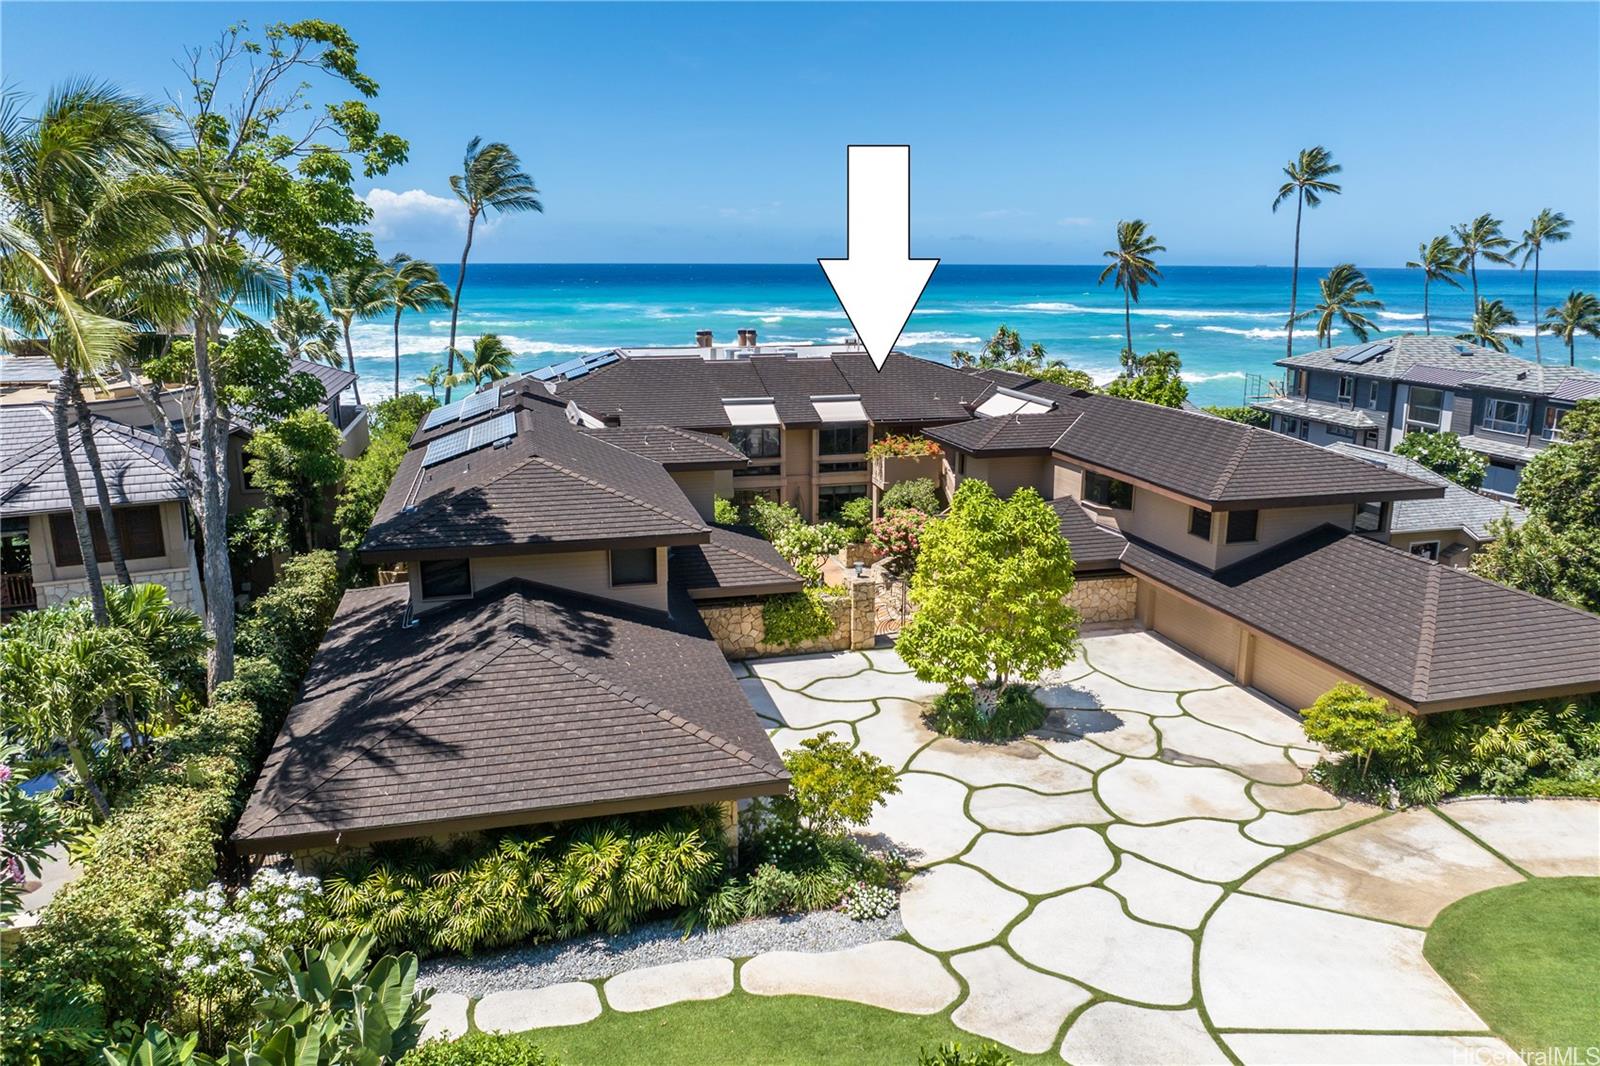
x=703, y=133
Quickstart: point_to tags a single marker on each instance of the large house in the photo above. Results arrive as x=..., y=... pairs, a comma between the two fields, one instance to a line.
x=1373, y=394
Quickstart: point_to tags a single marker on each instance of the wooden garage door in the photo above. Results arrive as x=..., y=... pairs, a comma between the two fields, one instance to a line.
x=1203, y=631
x=1288, y=676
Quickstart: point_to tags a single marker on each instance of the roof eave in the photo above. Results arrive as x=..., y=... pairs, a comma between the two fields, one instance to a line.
x=378, y=554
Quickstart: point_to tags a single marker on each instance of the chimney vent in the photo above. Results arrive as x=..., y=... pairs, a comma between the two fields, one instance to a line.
x=702, y=338
x=747, y=338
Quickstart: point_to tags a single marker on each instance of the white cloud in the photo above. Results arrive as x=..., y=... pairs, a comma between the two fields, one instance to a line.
x=414, y=214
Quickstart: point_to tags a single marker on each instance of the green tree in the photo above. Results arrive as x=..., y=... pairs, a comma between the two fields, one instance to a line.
x=394, y=422
x=990, y=588
x=1346, y=718
x=834, y=786
x=1439, y=260
x=1444, y=454
x=414, y=286
x=433, y=379
x=1481, y=237
x=490, y=361
x=299, y=325
x=1156, y=377
x=294, y=463
x=1489, y=324
x=1547, y=227
x=1561, y=482
x=1132, y=266
x=919, y=494
x=1579, y=313
x=1346, y=294
x=491, y=179
x=1247, y=415
x=1006, y=351
x=1308, y=183
x=362, y=290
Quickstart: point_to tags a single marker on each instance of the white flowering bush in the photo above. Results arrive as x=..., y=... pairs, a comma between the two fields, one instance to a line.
x=865, y=902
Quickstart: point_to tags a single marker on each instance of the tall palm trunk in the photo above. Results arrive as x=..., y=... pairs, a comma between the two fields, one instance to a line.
x=1537, y=357
x=1127, y=318
x=1472, y=264
x=1294, y=272
x=397, y=351
x=91, y=454
x=214, y=509
x=1427, y=323
x=80, y=511
x=350, y=361
x=1572, y=349
x=455, y=304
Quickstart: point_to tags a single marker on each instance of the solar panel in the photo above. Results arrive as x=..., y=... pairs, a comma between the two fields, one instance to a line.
x=495, y=429
x=595, y=362
x=568, y=367
x=440, y=415
x=1365, y=353
x=479, y=402
x=544, y=373
x=447, y=447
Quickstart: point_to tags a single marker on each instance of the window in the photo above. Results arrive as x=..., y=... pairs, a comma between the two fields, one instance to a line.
x=1345, y=432
x=758, y=442
x=1199, y=523
x=832, y=498
x=841, y=440
x=1370, y=517
x=842, y=468
x=1427, y=549
x=633, y=566
x=1297, y=427
x=1347, y=389
x=1372, y=394
x=1107, y=491
x=138, y=529
x=445, y=578
x=1552, y=422
x=1505, y=416
x=1424, y=410
x=1242, y=526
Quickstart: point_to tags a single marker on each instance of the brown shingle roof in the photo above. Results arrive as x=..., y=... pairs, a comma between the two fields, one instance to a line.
x=736, y=562
x=32, y=480
x=1094, y=547
x=675, y=449
x=524, y=704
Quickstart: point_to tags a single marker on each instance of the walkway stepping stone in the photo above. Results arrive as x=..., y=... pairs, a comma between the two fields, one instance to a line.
x=875, y=685
x=1124, y=732
x=1244, y=712
x=1158, y=895
x=890, y=974
x=1292, y=799
x=447, y=1016
x=1016, y=763
x=952, y=906
x=801, y=712
x=1194, y=743
x=1363, y=1049
x=1277, y=828
x=887, y=660
x=798, y=671
x=1271, y=965
x=1098, y=690
x=1199, y=847
x=896, y=732
x=1547, y=838
x=1139, y=655
x=1042, y=862
x=787, y=740
x=1120, y=1034
x=1009, y=809
x=658, y=986
x=1085, y=935
x=1404, y=868
x=1144, y=791
x=1008, y=1002
x=1075, y=750
x=924, y=819
x=1061, y=675
x=516, y=1011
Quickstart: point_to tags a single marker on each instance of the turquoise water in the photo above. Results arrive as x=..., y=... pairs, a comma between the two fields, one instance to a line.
x=1225, y=322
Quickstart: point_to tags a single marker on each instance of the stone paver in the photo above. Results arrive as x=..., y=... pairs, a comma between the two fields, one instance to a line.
x=1548, y=838
x=1016, y=763
x=1275, y=827
x=1158, y=895
x=1245, y=712
x=1144, y=791
x=1042, y=862
x=924, y=819
x=1124, y=732
x=1146, y=659
x=1199, y=847
x=798, y=671
x=798, y=711
x=1008, y=1002
x=1404, y=868
x=886, y=660
x=447, y=1016
x=1194, y=743
x=521, y=1009
x=1009, y=809
x=658, y=986
x=1120, y=1034
x=890, y=974
x=1098, y=690
x=1341, y=1049
x=951, y=906
x=1085, y=936
x=1271, y=965
x=876, y=685
x=1062, y=675
x=1076, y=750
x=787, y=740
x=1292, y=799
x=896, y=732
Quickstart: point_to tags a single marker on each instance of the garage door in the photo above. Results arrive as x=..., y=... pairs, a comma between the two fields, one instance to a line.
x=1289, y=676
x=1203, y=631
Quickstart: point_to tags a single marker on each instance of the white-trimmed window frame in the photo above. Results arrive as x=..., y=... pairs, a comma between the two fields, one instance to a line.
x=1416, y=425
x=1517, y=427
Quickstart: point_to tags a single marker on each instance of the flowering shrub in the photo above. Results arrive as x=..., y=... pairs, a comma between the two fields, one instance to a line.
x=806, y=547
x=865, y=902
x=890, y=446
x=28, y=826
x=897, y=537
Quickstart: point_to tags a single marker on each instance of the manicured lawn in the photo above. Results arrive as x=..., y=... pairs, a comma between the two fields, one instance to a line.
x=746, y=1030
x=1524, y=957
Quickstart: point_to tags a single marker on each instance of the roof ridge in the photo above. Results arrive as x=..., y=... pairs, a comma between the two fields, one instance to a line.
x=1427, y=634
x=1233, y=463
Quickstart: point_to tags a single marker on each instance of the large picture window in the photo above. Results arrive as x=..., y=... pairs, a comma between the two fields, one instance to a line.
x=1424, y=410
x=1242, y=526
x=1199, y=523
x=445, y=578
x=138, y=528
x=758, y=442
x=832, y=498
x=842, y=440
x=1107, y=491
x=1505, y=416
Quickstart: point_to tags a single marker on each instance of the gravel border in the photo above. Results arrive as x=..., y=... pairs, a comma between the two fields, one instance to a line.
x=598, y=957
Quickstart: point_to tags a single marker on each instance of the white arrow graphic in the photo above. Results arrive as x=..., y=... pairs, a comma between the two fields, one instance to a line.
x=878, y=283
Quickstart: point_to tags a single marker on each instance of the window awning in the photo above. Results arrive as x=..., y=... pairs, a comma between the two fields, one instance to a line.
x=1005, y=402
x=758, y=411
x=840, y=408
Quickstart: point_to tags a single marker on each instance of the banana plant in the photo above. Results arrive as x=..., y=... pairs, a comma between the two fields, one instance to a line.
x=157, y=1047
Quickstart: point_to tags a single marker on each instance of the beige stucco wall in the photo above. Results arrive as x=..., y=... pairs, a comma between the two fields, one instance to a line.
x=587, y=572
x=1065, y=480
x=178, y=554
x=703, y=486
x=1164, y=521
x=1277, y=525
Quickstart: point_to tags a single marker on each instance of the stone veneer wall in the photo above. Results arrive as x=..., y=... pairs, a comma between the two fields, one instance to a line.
x=1105, y=599
x=739, y=630
x=181, y=584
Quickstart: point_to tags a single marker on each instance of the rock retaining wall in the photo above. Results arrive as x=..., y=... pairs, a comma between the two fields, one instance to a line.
x=740, y=632
x=1105, y=599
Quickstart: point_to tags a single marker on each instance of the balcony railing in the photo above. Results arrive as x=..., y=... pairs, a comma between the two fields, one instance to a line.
x=1517, y=429
x=17, y=593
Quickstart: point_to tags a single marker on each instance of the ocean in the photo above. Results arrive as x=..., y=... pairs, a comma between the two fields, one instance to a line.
x=1226, y=323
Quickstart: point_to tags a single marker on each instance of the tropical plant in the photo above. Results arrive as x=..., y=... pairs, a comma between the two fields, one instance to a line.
x=414, y=285
x=294, y=462
x=1444, y=454
x=1156, y=377
x=953, y=1054
x=1439, y=260
x=1006, y=351
x=1578, y=313
x=1489, y=324
x=299, y=325
x=480, y=1049
x=1132, y=266
x=1307, y=183
x=918, y=494
x=491, y=179
x=1547, y=227
x=154, y=1046
x=958, y=713
x=360, y=291
x=836, y=787
x=434, y=379
x=31, y=826
x=1346, y=295
x=366, y=477
x=1348, y=719
x=1482, y=237
x=491, y=360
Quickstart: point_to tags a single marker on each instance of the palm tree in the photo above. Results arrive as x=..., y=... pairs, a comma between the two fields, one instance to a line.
x=1547, y=227
x=1579, y=313
x=1481, y=236
x=490, y=361
x=1343, y=298
x=1488, y=326
x=1132, y=266
x=1308, y=182
x=433, y=379
x=360, y=291
x=414, y=285
x=492, y=178
x=305, y=332
x=1438, y=260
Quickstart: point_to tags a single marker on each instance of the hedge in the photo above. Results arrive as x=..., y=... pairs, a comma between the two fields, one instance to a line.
x=90, y=970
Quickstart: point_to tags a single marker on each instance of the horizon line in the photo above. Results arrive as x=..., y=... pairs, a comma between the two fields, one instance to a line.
x=1097, y=266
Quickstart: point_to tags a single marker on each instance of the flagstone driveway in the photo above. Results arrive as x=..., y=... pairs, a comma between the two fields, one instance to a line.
x=1149, y=878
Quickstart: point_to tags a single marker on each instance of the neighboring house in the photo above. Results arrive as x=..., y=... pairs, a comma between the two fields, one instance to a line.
x=38, y=538
x=1447, y=530
x=1503, y=406
x=544, y=658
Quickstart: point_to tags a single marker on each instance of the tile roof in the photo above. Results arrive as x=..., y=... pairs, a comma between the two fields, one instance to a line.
x=1322, y=411
x=675, y=449
x=1459, y=509
x=1431, y=635
x=1094, y=547
x=31, y=478
x=334, y=380
x=1017, y=434
x=1499, y=449
x=1452, y=363
x=736, y=562
x=27, y=370
x=524, y=704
